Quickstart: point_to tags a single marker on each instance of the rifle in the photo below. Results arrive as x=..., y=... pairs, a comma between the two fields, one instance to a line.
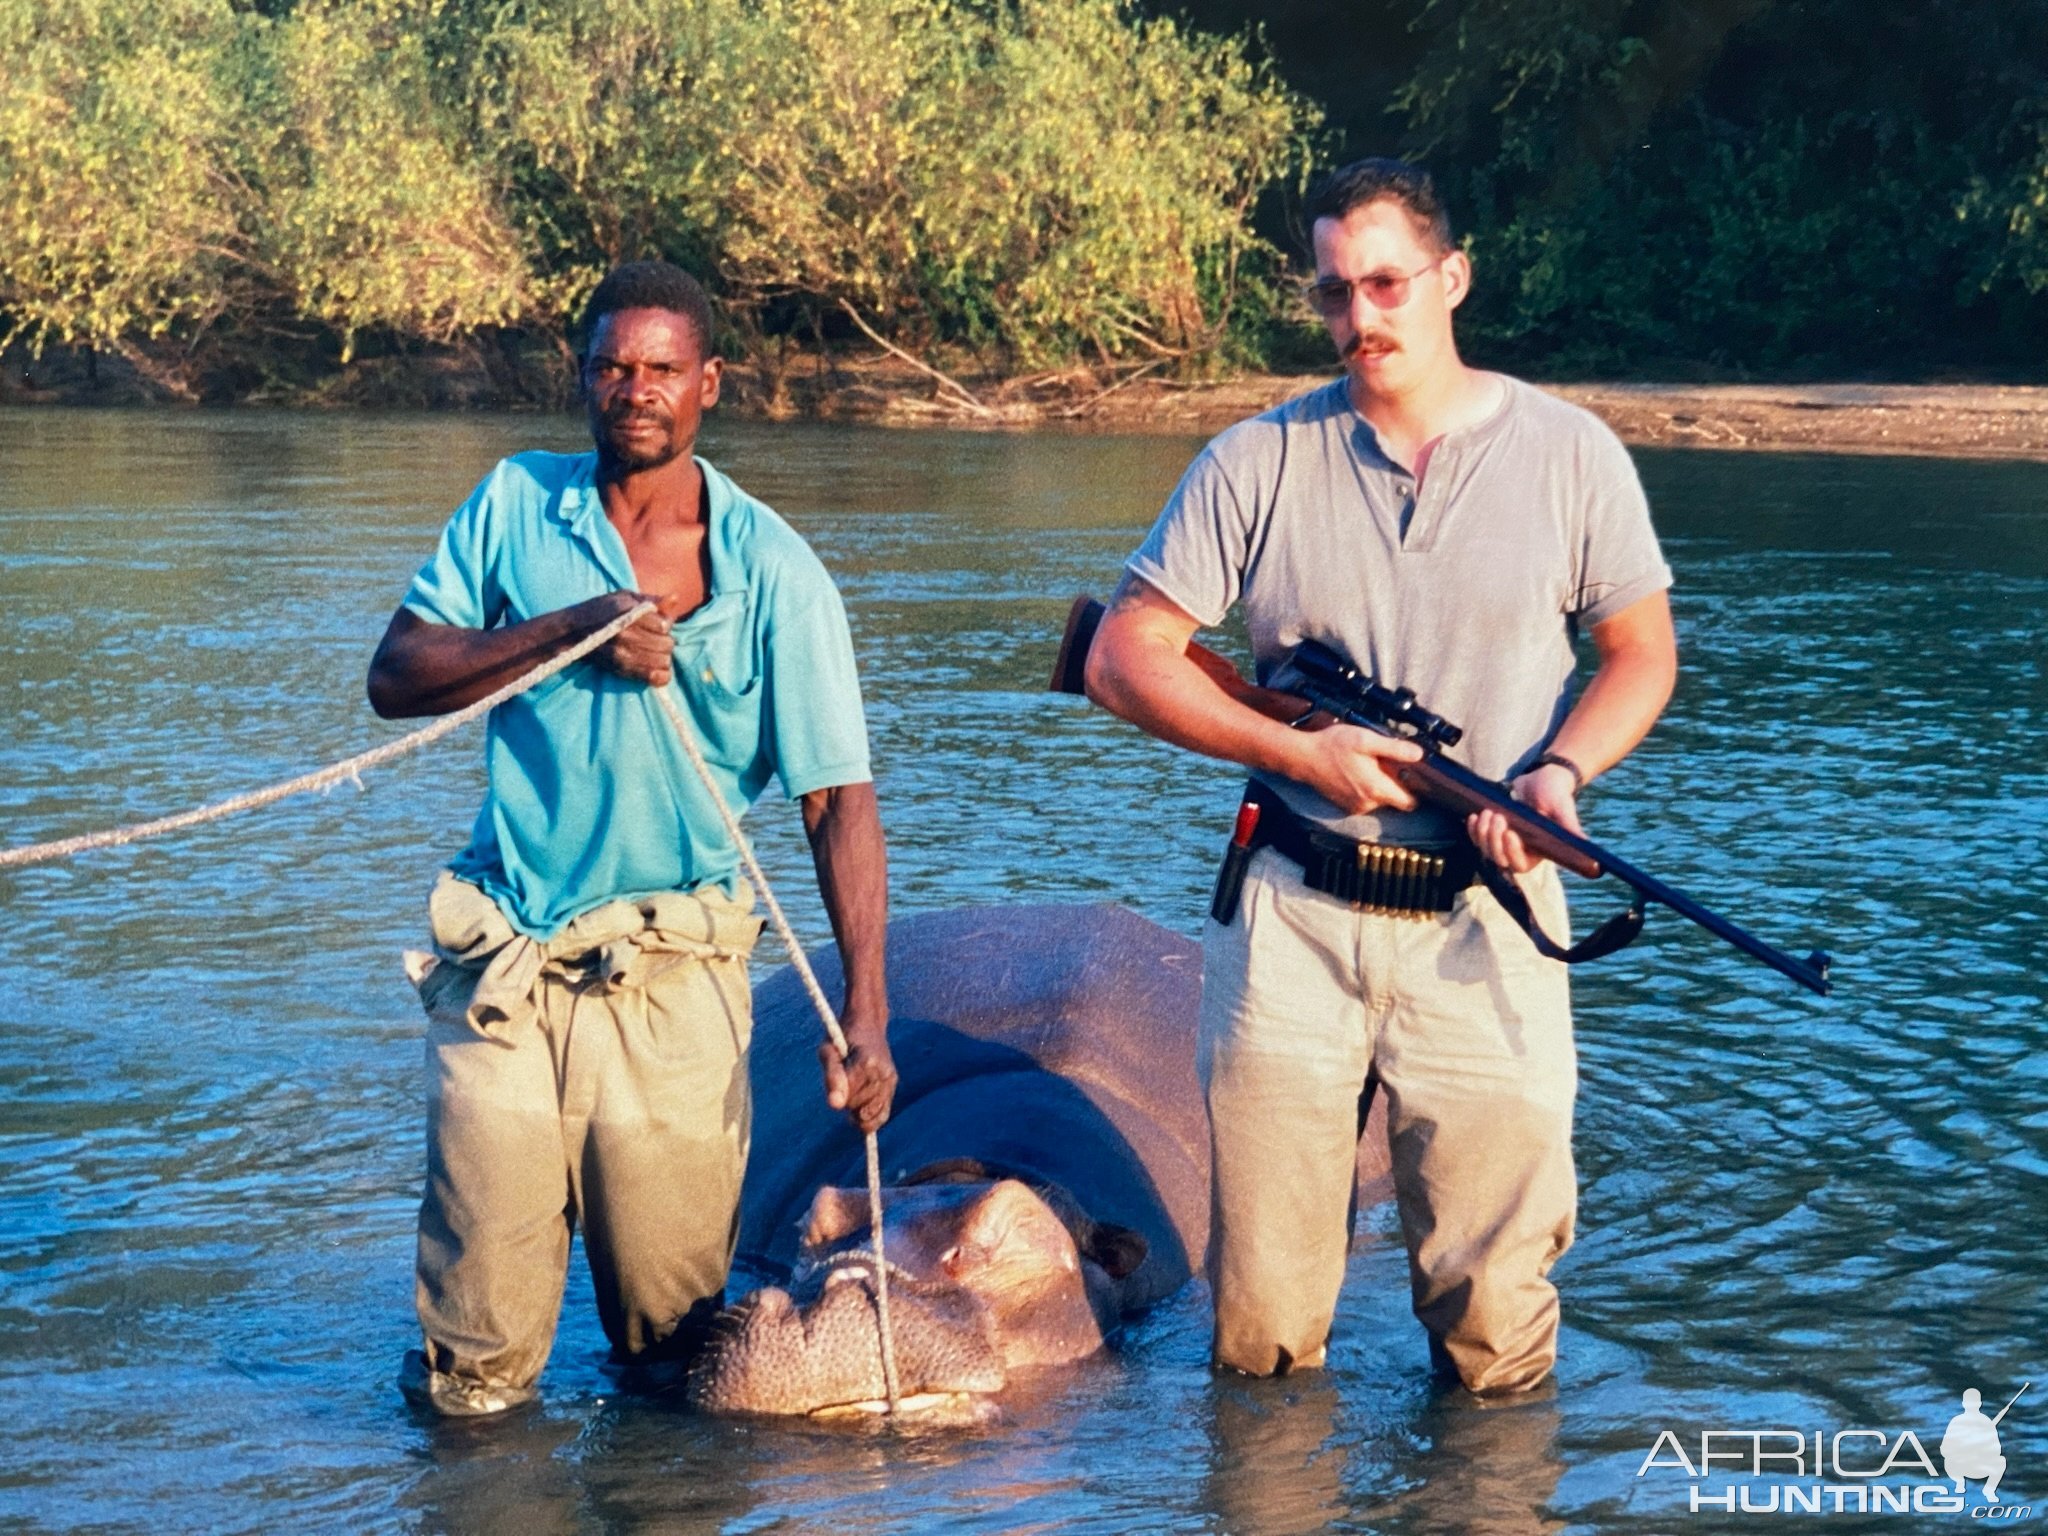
x=1333, y=686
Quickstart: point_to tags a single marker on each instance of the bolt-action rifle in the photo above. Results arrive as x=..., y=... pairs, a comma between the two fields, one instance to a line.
x=1318, y=680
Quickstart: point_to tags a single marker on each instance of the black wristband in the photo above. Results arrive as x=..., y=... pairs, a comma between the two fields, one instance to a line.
x=1558, y=759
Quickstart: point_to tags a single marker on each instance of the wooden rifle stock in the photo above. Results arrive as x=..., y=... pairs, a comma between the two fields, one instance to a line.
x=1449, y=784
x=1070, y=667
x=1424, y=779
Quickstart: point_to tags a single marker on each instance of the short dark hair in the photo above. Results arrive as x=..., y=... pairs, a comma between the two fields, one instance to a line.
x=650, y=285
x=1384, y=180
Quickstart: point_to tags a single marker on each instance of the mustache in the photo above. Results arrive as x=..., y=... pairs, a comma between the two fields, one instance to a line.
x=626, y=415
x=1363, y=340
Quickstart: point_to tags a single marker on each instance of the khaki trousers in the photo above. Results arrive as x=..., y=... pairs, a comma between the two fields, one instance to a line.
x=1468, y=1032
x=598, y=1077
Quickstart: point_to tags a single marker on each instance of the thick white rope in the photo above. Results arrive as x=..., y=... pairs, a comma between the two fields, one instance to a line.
x=830, y=1019
x=351, y=769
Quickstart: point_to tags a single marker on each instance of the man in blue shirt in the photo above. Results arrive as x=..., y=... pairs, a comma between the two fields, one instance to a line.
x=587, y=998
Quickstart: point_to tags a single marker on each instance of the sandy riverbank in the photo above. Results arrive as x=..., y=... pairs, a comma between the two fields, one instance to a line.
x=1942, y=420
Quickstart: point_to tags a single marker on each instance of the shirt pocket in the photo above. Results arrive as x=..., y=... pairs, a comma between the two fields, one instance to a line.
x=715, y=650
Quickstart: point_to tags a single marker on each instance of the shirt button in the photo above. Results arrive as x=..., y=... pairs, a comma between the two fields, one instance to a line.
x=706, y=674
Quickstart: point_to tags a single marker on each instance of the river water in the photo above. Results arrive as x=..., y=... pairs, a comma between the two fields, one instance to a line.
x=1797, y=1215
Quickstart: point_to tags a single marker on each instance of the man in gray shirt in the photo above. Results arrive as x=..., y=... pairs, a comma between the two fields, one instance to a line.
x=1451, y=531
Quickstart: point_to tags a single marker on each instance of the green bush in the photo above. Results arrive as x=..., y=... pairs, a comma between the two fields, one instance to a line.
x=1646, y=185
x=373, y=216
x=1043, y=177
x=121, y=192
x=1039, y=180
x=583, y=110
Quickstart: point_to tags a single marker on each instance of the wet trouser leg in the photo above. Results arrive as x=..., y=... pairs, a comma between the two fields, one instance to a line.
x=624, y=1107
x=1476, y=1059
x=667, y=1122
x=1284, y=1047
x=496, y=1215
x=1470, y=1033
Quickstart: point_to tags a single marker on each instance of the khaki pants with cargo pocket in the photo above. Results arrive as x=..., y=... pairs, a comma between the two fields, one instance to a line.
x=1468, y=1031
x=600, y=1078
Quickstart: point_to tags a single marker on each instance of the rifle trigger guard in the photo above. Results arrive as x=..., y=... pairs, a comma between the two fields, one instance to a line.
x=1618, y=932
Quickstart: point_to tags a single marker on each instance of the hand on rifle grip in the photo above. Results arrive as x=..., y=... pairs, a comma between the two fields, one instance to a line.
x=1547, y=790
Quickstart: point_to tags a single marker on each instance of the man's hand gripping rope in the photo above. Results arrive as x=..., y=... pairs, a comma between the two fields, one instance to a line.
x=351, y=768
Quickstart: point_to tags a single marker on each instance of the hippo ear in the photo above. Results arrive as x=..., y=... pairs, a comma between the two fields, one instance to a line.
x=835, y=1216
x=1118, y=1250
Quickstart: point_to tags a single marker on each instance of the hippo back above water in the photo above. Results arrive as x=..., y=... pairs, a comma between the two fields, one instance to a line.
x=1053, y=1044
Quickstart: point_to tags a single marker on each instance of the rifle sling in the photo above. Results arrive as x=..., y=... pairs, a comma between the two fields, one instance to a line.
x=1335, y=865
x=1618, y=932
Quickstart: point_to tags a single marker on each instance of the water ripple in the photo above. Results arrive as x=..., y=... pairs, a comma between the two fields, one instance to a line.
x=1794, y=1211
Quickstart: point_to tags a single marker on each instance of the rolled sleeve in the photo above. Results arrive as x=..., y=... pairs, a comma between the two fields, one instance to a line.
x=1620, y=561
x=817, y=727
x=452, y=587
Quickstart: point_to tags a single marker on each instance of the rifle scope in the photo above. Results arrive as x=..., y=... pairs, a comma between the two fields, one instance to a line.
x=1395, y=708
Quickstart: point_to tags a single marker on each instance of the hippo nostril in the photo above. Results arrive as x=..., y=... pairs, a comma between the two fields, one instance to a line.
x=816, y=1351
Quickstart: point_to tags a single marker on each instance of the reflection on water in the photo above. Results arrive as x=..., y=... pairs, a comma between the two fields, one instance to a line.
x=1805, y=1214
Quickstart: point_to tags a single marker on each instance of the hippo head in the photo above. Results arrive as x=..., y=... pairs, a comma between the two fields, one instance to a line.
x=985, y=1276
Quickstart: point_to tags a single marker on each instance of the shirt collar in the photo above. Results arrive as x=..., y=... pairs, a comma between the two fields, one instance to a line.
x=581, y=509
x=1368, y=439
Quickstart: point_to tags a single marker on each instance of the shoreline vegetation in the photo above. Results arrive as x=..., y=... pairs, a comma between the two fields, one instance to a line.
x=1949, y=420
x=1044, y=213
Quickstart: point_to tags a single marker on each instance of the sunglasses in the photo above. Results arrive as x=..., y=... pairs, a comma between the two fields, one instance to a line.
x=1387, y=290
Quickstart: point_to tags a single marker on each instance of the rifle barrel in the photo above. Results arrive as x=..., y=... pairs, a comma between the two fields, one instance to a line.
x=1588, y=858
x=1441, y=779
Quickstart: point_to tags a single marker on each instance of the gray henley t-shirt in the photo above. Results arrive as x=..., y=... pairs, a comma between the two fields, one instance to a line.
x=1531, y=525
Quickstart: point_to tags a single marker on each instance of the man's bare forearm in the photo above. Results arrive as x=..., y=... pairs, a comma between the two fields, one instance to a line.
x=1142, y=672
x=844, y=825
x=1140, y=668
x=845, y=828
x=1614, y=714
x=422, y=668
x=1628, y=691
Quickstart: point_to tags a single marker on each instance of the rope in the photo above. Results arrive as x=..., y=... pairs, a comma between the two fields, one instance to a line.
x=825, y=1013
x=349, y=768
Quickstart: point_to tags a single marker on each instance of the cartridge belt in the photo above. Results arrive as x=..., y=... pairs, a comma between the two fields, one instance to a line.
x=1374, y=877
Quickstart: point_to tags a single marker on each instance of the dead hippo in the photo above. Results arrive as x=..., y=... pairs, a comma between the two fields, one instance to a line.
x=1047, y=1165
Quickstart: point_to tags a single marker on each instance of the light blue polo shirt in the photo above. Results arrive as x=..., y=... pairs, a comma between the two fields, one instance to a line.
x=591, y=797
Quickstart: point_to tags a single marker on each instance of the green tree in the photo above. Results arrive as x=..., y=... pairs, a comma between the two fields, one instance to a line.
x=374, y=216
x=121, y=189
x=1036, y=180
x=1778, y=185
x=585, y=112
x=1039, y=176
x=1048, y=176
